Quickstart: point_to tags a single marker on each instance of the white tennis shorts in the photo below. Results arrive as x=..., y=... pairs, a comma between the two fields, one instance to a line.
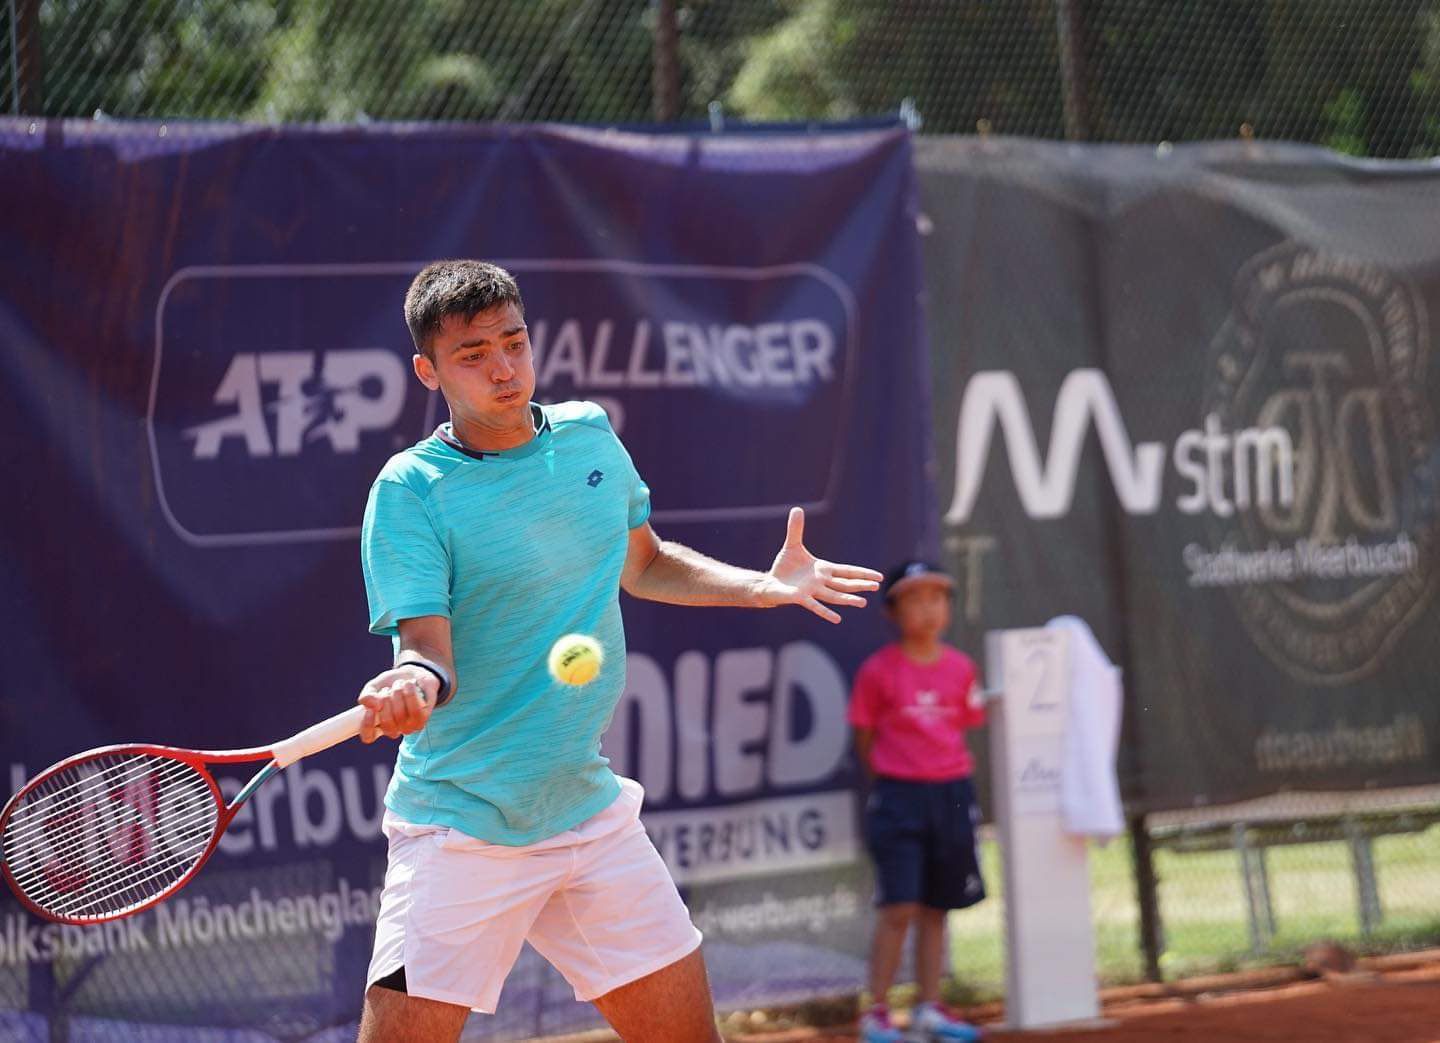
x=596, y=901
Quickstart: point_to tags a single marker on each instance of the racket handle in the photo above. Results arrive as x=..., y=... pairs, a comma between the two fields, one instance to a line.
x=317, y=737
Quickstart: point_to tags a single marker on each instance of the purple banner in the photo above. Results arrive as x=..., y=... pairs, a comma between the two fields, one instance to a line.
x=206, y=364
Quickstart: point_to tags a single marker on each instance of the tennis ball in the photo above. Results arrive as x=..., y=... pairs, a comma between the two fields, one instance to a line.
x=575, y=659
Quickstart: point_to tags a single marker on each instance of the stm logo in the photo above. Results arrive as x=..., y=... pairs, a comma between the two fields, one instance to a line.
x=1226, y=471
x=281, y=403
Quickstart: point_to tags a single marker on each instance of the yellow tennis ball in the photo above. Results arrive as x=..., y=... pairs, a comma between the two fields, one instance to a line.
x=575, y=659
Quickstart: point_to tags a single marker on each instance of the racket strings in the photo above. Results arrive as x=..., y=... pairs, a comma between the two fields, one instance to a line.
x=110, y=834
x=127, y=891
x=71, y=845
x=62, y=832
x=54, y=810
x=62, y=797
x=99, y=868
x=180, y=833
x=202, y=822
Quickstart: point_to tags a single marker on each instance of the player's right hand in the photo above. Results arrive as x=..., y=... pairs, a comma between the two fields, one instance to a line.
x=397, y=702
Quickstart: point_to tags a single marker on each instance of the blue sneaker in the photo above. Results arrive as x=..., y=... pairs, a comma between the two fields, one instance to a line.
x=931, y=1023
x=875, y=1027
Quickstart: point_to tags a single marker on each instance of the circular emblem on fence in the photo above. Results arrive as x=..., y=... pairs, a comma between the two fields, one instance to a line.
x=1329, y=572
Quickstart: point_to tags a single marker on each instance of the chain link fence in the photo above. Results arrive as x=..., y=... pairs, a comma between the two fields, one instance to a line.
x=1270, y=879
x=1362, y=76
x=1304, y=879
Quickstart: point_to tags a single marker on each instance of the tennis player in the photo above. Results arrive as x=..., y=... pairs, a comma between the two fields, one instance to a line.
x=511, y=525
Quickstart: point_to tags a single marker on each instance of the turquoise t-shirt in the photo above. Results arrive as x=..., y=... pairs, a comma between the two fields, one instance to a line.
x=517, y=548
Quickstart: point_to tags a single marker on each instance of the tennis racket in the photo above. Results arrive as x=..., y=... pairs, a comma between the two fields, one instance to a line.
x=110, y=833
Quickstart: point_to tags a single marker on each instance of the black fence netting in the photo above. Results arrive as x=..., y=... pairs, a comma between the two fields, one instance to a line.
x=1361, y=76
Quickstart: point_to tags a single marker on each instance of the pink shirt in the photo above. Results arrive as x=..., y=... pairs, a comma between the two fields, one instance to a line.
x=919, y=713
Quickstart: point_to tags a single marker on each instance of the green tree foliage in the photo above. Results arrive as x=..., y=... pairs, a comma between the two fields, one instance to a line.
x=1362, y=76
x=133, y=57
x=1359, y=82
x=716, y=37
x=1173, y=71
x=1345, y=74
x=960, y=62
x=1358, y=75
x=343, y=60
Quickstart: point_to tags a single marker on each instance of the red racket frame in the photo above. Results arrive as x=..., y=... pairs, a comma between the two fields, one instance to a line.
x=318, y=737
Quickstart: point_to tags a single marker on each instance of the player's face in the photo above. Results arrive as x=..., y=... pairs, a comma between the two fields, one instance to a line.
x=484, y=367
x=923, y=612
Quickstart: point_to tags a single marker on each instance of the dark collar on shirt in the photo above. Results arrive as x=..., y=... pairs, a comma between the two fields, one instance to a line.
x=443, y=432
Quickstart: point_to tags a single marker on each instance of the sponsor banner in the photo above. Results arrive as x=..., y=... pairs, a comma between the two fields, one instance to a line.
x=255, y=365
x=756, y=839
x=207, y=362
x=1190, y=398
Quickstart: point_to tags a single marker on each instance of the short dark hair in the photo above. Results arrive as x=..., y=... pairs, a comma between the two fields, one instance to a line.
x=464, y=288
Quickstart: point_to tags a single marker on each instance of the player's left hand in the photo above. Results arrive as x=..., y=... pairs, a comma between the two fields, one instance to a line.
x=800, y=578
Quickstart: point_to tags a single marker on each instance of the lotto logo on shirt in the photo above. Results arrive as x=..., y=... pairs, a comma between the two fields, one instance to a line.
x=280, y=402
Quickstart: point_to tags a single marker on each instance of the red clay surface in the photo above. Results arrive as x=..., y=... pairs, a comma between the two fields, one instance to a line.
x=1400, y=1005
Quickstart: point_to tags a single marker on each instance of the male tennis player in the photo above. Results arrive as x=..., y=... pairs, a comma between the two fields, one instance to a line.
x=512, y=525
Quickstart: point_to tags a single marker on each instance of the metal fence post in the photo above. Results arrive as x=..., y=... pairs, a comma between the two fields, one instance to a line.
x=26, y=72
x=1367, y=891
x=1074, y=72
x=1256, y=881
x=666, y=79
x=1147, y=896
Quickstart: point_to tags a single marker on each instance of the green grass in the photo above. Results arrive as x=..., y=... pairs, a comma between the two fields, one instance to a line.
x=1203, y=909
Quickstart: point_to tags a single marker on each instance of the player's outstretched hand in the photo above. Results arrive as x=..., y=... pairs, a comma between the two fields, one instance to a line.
x=800, y=578
x=396, y=703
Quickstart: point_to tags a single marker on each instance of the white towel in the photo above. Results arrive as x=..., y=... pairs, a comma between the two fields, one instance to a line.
x=1089, y=790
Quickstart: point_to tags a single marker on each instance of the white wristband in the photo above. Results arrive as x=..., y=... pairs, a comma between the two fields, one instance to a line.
x=430, y=666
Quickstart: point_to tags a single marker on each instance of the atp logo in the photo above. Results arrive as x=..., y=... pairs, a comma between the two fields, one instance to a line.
x=284, y=402
x=278, y=391
x=276, y=396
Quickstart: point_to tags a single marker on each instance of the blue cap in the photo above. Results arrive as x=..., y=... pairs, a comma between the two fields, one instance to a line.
x=911, y=574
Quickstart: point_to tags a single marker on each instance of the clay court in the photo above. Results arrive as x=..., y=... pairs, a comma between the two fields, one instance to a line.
x=1388, y=1000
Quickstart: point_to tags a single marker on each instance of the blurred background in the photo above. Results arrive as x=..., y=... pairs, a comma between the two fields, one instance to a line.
x=1150, y=190
x=1358, y=76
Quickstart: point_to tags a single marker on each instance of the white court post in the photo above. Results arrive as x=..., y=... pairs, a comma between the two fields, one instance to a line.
x=1049, y=934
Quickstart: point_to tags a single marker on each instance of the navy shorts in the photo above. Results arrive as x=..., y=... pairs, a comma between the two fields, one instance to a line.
x=922, y=838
